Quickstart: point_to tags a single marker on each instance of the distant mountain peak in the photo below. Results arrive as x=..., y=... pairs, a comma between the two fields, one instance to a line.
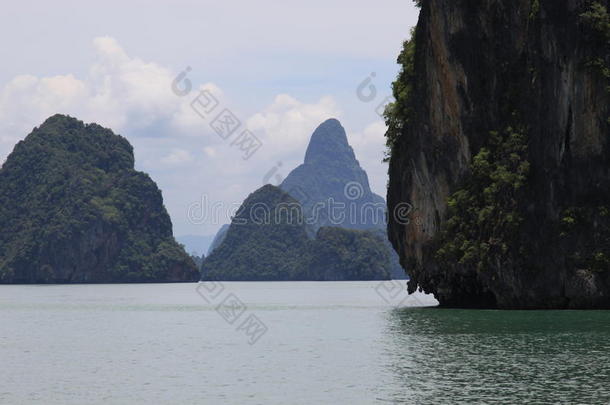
x=328, y=143
x=330, y=166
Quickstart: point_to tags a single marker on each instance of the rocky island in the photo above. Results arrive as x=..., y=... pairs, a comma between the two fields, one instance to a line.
x=268, y=241
x=500, y=139
x=74, y=210
x=338, y=227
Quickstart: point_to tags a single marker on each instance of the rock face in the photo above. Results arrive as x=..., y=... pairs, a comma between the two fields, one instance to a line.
x=334, y=190
x=74, y=210
x=268, y=241
x=527, y=229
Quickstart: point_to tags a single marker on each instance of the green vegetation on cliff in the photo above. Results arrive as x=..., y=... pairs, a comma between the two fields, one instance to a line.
x=398, y=114
x=344, y=254
x=73, y=209
x=594, y=254
x=484, y=215
x=597, y=20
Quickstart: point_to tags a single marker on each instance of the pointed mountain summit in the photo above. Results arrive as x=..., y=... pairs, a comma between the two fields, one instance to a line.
x=328, y=144
x=330, y=178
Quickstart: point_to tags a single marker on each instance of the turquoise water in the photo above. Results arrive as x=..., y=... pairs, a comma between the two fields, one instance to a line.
x=323, y=343
x=502, y=357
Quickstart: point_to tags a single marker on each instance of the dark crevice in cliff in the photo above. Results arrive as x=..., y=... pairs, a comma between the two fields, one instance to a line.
x=568, y=135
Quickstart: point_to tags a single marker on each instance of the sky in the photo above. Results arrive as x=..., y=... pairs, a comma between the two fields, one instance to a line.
x=159, y=73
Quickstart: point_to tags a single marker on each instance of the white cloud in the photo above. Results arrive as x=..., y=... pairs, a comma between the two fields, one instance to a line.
x=26, y=100
x=209, y=151
x=171, y=142
x=369, y=147
x=123, y=93
x=127, y=92
x=177, y=157
x=287, y=123
x=370, y=141
x=185, y=119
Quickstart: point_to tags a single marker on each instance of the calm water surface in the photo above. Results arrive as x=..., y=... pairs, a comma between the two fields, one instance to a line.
x=326, y=343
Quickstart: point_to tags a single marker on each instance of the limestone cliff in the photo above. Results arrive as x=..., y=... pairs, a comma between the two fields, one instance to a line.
x=499, y=139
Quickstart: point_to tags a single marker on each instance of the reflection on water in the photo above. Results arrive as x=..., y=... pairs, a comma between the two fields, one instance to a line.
x=449, y=356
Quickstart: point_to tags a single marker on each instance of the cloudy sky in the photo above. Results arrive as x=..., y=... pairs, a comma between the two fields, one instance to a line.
x=280, y=67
